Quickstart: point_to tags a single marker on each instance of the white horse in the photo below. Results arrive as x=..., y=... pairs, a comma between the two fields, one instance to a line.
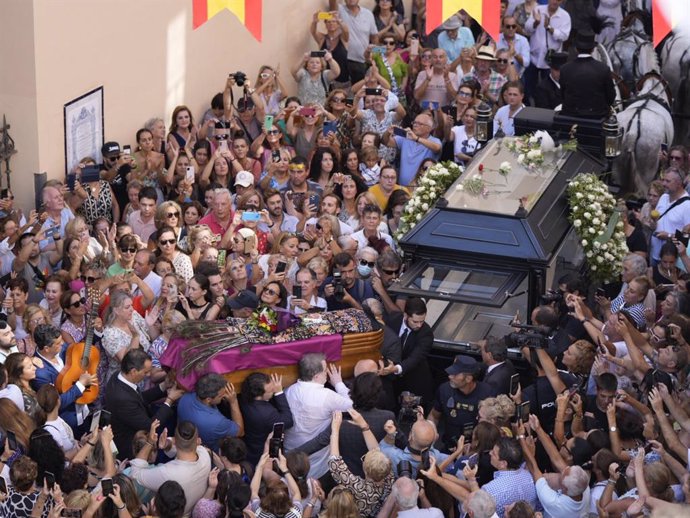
x=599, y=53
x=675, y=67
x=631, y=51
x=647, y=124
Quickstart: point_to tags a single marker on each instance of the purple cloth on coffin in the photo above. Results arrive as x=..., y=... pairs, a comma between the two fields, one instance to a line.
x=260, y=356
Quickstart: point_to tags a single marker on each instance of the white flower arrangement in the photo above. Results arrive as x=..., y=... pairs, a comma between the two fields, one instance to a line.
x=431, y=187
x=528, y=149
x=598, y=226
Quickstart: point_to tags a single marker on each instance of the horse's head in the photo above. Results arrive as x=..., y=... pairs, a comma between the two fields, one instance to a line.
x=652, y=84
x=647, y=60
x=639, y=22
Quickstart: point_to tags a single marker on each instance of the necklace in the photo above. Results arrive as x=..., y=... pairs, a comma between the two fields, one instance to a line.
x=194, y=305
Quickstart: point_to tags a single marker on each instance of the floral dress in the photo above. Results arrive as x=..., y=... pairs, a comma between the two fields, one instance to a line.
x=116, y=340
x=371, y=123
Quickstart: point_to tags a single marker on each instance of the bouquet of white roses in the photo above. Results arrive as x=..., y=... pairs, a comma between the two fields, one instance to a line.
x=431, y=187
x=598, y=225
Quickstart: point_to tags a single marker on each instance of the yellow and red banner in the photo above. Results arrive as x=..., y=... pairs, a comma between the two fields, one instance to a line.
x=666, y=15
x=486, y=12
x=248, y=12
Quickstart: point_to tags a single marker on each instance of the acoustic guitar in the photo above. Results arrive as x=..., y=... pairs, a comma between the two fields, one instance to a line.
x=82, y=357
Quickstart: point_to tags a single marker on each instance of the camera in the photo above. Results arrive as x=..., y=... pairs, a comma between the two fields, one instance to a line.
x=339, y=289
x=552, y=296
x=534, y=337
x=239, y=77
x=408, y=407
x=405, y=469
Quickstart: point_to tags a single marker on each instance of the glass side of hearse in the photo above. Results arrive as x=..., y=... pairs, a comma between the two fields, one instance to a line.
x=505, y=194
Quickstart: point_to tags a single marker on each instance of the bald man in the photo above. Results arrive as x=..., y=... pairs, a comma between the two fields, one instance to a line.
x=421, y=437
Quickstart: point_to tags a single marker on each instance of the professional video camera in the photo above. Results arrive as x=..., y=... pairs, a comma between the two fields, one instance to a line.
x=408, y=407
x=534, y=337
x=338, y=288
x=552, y=296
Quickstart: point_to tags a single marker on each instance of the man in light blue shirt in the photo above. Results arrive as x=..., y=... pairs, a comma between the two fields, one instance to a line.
x=455, y=37
x=516, y=44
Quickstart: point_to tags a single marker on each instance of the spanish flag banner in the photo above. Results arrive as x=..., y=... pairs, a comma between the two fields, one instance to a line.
x=666, y=15
x=248, y=12
x=486, y=12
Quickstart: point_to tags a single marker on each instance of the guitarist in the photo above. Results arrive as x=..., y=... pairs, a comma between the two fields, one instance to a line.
x=51, y=349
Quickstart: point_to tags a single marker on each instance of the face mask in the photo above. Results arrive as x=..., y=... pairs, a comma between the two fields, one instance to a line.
x=364, y=271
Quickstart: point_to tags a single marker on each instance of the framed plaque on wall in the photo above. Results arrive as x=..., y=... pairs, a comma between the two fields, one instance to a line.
x=84, y=131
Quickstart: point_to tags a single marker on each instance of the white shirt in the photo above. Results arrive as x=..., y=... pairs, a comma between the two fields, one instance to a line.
x=4, y=353
x=541, y=40
x=362, y=26
x=153, y=281
x=62, y=433
x=503, y=120
x=431, y=512
x=521, y=47
x=674, y=220
x=312, y=407
x=363, y=241
x=14, y=394
x=315, y=301
x=559, y=505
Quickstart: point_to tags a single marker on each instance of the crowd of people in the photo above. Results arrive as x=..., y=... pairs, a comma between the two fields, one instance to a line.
x=292, y=204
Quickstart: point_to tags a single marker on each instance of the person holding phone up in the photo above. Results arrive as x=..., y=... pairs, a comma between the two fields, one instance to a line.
x=313, y=78
x=416, y=144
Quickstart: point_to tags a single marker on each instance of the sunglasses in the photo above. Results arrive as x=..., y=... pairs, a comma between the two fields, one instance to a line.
x=164, y=242
x=273, y=132
x=464, y=94
x=77, y=303
x=426, y=56
x=127, y=249
x=391, y=272
x=271, y=291
x=504, y=61
x=318, y=226
x=338, y=100
x=672, y=157
x=223, y=136
x=170, y=215
x=389, y=43
x=90, y=280
x=364, y=262
x=512, y=26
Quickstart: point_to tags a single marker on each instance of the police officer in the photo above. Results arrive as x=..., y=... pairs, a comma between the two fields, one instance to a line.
x=586, y=86
x=457, y=400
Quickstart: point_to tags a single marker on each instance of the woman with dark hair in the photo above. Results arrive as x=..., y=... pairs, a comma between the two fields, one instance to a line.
x=484, y=437
x=322, y=166
x=349, y=163
x=167, y=247
x=17, y=421
x=49, y=419
x=170, y=500
x=22, y=495
x=127, y=248
x=349, y=189
x=263, y=403
x=149, y=162
x=240, y=160
x=237, y=500
x=394, y=209
x=197, y=304
x=665, y=274
x=20, y=372
x=47, y=454
x=279, y=500
x=233, y=455
x=274, y=295
x=182, y=129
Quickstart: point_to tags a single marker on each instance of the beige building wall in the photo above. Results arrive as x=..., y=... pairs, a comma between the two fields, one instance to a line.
x=143, y=52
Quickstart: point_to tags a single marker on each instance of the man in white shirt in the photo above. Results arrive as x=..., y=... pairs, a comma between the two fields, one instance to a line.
x=506, y=114
x=144, y=260
x=312, y=406
x=362, y=26
x=671, y=219
x=8, y=343
x=404, y=495
x=516, y=44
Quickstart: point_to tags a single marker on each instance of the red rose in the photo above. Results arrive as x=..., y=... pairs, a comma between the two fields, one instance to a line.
x=481, y=167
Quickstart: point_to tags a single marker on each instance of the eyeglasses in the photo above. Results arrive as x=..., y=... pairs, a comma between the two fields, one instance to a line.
x=271, y=291
x=389, y=43
x=512, y=26
x=420, y=123
x=391, y=272
x=171, y=215
x=364, y=262
x=124, y=250
x=39, y=320
x=464, y=94
x=89, y=280
x=273, y=132
x=426, y=56
x=222, y=136
x=77, y=303
x=164, y=242
x=503, y=61
x=338, y=100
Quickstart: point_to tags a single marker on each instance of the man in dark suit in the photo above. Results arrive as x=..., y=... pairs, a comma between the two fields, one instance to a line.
x=416, y=339
x=51, y=349
x=549, y=89
x=499, y=368
x=586, y=85
x=130, y=409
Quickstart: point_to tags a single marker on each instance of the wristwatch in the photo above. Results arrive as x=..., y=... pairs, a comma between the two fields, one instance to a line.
x=613, y=429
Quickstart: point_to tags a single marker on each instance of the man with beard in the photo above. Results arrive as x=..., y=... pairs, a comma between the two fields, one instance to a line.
x=34, y=266
x=457, y=400
x=8, y=343
x=281, y=221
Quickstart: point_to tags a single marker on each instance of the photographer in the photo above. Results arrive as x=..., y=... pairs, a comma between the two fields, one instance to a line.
x=420, y=440
x=250, y=107
x=344, y=290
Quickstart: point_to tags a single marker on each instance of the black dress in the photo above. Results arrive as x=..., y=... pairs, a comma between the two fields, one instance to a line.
x=339, y=54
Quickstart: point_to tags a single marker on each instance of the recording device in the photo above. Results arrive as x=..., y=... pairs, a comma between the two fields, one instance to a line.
x=451, y=110
x=51, y=231
x=339, y=289
x=95, y=421
x=276, y=443
x=268, y=122
x=281, y=266
x=50, y=479
x=107, y=486
x=329, y=127
x=379, y=49
x=405, y=469
x=71, y=183
x=223, y=145
x=127, y=149
x=664, y=147
x=647, y=448
x=633, y=205
x=239, y=77
x=297, y=291
x=324, y=16
x=534, y=337
x=189, y=175
x=275, y=155
x=600, y=292
x=408, y=407
x=552, y=296
x=414, y=46
x=308, y=112
x=314, y=200
x=317, y=54
x=373, y=91
x=523, y=411
x=426, y=460
x=467, y=431
x=90, y=173
x=12, y=440
x=222, y=254
x=105, y=419
x=683, y=238
x=251, y=216
x=430, y=105
x=514, y=383
x=349, y=101
x=400, y=132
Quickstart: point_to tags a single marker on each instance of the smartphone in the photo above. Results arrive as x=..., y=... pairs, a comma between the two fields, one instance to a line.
x=223, y=145
x=450, y=110
x=317, y=54
x=379, y=50
x=281, y=266
x=429, y=105
x=524, y=411
x=95, y=420
x=307, y=112
x=329, y=127
x=276, y=443
x=683, y=238
x=315, y=200
x=107, y=486
x=278, y=429
x=12, y=440
x=297, y=291
x=467, y=431
x=373, y=91
x=268, y=122
x=647, y=448
x=3, y=485
x=4, y=193
x=349, y=101
x=664, y=147
x=426, y=461
x=50, y=479
x=71, y=513
x=71, y=182
x=90, y=173
x=189, y=176
x=275, y=155
x=324, y=16
x=250, y=216
x=400, y=132
x=414, y=47
x=600, y=292
x=222, y=254
x=105, y=419
x=514, y=383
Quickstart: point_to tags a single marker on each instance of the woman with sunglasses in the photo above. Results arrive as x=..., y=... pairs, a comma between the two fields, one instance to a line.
x=127, y=248
x=337, y=111
x=313, y=78
x=393, y=68
x=270, y=88
x=464, y=138
x=167, y=247
x=336, y=41
x=33, y=316
x=269, y=146
x=168, y=214
x=73, y=329
x=504, y=65
x=274, y=295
